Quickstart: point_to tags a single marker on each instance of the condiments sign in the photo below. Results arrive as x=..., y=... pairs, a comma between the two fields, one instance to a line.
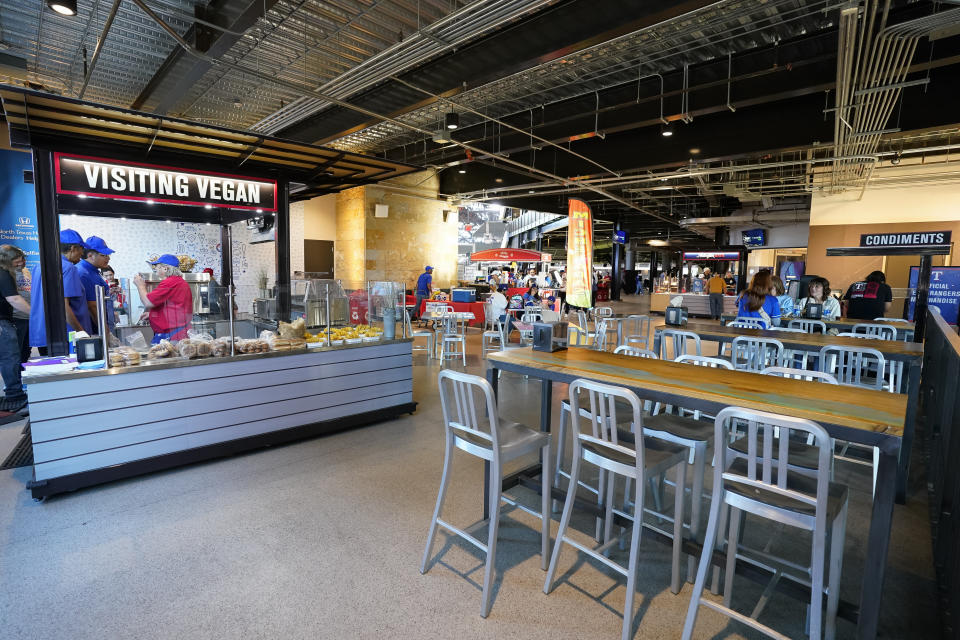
x=913, y=239
x=103, y=178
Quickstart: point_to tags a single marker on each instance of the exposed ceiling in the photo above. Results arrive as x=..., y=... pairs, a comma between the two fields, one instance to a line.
x=766, y=99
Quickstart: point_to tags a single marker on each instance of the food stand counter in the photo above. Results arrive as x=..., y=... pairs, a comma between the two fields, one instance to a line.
x=89, y=427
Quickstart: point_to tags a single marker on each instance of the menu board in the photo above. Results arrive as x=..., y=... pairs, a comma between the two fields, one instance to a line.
x=944, y=291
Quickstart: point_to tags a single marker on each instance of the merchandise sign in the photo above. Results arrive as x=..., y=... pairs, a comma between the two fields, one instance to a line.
x=919, y=239
x=579, y=254
x=944, y=293
x=18, y=208
x=103, y=178
x=711, y=255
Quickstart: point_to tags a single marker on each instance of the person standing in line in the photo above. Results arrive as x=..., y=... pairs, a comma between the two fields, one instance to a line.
x=96, y=257
x=423, y=290
x=12, y=260
x=868, y=299
x=74, y=302
x=716, y=287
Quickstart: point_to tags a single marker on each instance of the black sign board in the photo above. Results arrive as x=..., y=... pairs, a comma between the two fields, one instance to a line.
x=914, y=239
x=103, y=178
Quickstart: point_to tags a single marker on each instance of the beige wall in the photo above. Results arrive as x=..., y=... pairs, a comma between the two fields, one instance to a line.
x=839, y=220
x=320, y=218
x=397, y=247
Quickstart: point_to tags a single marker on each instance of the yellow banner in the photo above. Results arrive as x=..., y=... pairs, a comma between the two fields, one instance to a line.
x=579, y=254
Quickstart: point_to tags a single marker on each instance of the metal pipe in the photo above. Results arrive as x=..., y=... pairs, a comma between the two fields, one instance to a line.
x=96, y=52
x=233, y=340
x=102, y=326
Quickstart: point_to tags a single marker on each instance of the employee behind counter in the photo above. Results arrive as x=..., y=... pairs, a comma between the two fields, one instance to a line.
x=170, y=305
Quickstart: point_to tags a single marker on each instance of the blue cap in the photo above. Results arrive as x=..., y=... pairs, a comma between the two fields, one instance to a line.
x=69, y=236
x=428, y=268
x=169, y=259
x=97, y=244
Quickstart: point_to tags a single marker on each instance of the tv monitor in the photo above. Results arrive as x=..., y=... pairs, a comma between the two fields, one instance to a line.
x=755, y=238
x=621, y=237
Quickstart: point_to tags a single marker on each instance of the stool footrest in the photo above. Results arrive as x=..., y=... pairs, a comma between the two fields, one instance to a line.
x=463, y=534
x=750, y=622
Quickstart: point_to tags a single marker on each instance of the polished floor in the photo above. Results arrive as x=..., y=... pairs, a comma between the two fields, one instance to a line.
x=323, y=538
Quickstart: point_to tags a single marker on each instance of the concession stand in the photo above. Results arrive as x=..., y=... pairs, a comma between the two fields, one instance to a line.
x=214, y=394
x=520, y=256
x=698, y=303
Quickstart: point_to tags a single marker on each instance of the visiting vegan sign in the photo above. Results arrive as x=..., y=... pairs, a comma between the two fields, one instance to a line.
x=99, y=177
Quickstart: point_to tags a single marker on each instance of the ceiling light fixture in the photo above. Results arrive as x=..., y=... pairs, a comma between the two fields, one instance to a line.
x=695, y=150
x=498, y=180
x=441, y=137
x=63, y=7
x=666, y=131
x=461, y=171
x=452, y=120
x=895, y=160
x=238, y=103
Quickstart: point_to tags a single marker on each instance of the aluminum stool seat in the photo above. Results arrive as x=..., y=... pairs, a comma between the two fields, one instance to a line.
x=763, y=485
x=499, y=443
x=644, y=459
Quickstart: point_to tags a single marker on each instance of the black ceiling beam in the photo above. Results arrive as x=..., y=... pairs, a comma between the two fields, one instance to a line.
x=180, y=72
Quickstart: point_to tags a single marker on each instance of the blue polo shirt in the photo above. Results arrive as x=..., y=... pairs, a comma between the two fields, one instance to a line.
x=90, y=278
x=72, y=290
x=423, y=282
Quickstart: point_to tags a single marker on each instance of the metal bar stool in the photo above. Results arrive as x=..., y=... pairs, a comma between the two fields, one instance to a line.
x=453, y=343
x=755, y=354
x=499, y=444
x=808, y=326
x=763, y=484
x=639, y=461
x=420, y=333
x=638, y=331
x=677, y=344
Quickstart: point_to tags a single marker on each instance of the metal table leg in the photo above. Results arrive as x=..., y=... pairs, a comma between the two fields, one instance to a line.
x=656, y=343
x=878, y=542
x=913, y=397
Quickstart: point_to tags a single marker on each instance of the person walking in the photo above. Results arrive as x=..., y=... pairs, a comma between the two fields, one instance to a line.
x=423, y=290
x=716, y=287
x=11, y=262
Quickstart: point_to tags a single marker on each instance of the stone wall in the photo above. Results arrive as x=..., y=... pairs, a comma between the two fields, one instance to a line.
x=413, y=235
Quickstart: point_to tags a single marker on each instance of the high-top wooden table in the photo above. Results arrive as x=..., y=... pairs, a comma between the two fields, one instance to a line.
x=910, y=353
x=904, y=329
x=873, y=418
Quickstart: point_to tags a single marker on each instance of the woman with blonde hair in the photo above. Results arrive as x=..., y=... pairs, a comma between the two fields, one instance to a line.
x=12, y=261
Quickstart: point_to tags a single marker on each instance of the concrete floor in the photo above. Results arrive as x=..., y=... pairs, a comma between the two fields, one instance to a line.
x=323, y=538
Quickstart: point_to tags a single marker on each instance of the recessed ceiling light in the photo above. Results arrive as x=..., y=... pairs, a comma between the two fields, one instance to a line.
x=63, y=7
x=169, y=221
x=452, y=120
x=123, y=217
x=531, y=191
x=208, y=224
x=666, y=131
x=663, y=179
x=461, y=171
x=499, y=180
x=695, y=150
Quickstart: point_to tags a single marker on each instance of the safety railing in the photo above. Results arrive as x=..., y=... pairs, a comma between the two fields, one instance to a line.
x=940, y=384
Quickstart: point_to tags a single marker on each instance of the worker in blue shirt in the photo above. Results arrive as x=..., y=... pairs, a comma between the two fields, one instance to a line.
x=424, y=289
x=96, y=257
x=74, y=302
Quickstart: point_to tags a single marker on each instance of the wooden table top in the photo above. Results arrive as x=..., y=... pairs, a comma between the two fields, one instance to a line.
x=860, y=410
x=847, y=322
x=892, y=349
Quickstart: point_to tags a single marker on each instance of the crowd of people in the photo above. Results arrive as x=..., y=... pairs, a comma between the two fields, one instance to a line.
x=84, y=268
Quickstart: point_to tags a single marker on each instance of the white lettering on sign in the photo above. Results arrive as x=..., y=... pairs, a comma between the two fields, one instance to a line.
x=902, y=239
x=148, y=182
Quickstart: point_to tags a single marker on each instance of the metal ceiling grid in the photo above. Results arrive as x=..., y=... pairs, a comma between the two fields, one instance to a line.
x=710, y=33
x=53, y=45
x=454, y=30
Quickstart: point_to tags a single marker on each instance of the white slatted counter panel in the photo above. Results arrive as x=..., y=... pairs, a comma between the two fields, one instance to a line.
x=91, y=423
